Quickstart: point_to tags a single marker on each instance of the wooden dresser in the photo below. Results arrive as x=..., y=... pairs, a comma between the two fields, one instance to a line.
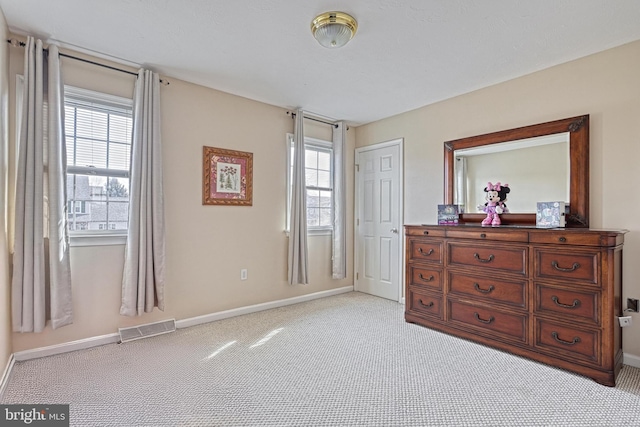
x=550, y=295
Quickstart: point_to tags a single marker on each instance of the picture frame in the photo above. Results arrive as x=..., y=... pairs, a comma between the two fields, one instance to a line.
x=448, y=214
x=227, y=177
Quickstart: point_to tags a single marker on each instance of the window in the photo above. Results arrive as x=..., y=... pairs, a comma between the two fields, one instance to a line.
x=319, y=183
x=98, y=141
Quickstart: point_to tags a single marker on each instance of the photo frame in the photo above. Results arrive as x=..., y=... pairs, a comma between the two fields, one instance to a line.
x=227, y=177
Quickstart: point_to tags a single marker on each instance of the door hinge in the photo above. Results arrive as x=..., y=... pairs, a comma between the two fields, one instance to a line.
x=357, y=167
x=357, y=221
x=357, y=276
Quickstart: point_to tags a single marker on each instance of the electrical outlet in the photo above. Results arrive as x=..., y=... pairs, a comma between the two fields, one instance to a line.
x=625, y=321
x=243, y=274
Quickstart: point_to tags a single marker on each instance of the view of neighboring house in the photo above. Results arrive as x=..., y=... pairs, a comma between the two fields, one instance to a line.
x=95, y=205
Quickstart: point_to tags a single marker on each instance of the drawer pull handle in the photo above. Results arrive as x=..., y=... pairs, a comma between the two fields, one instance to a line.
x=425, y=253
x=491, y=319
x=565, y=270
x=484, y=291
x=576, y=303
x=576, y=340
x=425, y=232
x=562, y=239
x=426, y=279
x=482, y=235
x=426, y=305
x=477, y=256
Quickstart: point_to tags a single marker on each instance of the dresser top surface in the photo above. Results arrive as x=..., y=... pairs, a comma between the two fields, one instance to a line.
x=521, y=233
x=520, y=227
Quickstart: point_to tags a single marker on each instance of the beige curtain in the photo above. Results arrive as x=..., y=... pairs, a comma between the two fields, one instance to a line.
x=298, y=258
x=144, y=276
x=39, y=293
x=339, y=252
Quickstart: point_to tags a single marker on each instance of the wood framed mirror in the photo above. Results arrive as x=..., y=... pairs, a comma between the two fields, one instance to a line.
x=576, y=132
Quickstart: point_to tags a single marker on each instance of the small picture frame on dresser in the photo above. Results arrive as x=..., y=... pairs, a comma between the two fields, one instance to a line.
x=448, y=214
x=550, y=215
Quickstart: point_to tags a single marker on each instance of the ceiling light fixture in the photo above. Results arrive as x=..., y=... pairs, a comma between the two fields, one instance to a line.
x=333, y=29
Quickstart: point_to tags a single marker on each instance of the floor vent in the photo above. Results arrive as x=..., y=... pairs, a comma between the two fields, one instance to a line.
x=148, y=330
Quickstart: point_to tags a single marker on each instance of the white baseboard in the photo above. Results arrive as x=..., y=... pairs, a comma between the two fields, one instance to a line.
x=184, y=323
x=631, y=360
x=4, y=379
x=66, y=347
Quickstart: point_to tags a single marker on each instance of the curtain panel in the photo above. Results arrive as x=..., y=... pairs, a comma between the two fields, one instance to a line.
x=41, y=281
x=144, y=268
x=298, y=264
x=339, y=244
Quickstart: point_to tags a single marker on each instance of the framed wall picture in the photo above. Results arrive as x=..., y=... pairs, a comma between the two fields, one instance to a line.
x=227, y=177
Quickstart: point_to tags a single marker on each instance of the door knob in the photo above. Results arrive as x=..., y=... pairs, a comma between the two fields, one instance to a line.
x=394, y=230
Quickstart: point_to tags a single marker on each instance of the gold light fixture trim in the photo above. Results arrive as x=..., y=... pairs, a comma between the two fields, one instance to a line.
x=334, y=29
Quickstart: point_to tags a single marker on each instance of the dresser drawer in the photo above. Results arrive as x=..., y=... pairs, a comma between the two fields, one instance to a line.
x=493, y=257
x=568, y=342
x=425, y=277
x=488, y=319
x=425, y=250
x=489, y=234
x=424, y=231
x=570, y=265
x=424, y=303
x=488, y=289
x=576, y=237
x=570, y=304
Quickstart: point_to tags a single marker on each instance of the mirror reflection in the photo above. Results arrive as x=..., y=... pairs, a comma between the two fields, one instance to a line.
x=536, y=169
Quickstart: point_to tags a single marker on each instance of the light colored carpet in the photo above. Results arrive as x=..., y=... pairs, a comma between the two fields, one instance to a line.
x=346, y=360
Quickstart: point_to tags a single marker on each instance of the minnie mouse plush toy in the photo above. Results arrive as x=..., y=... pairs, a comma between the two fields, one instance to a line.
x=496, y=196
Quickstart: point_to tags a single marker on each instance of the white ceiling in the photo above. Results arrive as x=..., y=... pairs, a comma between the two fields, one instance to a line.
x=406, y=54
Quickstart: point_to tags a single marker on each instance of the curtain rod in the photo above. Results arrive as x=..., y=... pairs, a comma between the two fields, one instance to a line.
x=17, y=43
x=98, y=64
x=314, y=119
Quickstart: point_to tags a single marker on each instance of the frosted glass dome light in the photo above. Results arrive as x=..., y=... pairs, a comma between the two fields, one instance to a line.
x=333, y=29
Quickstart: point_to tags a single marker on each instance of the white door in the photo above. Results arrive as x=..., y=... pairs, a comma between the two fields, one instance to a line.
x=379, y=219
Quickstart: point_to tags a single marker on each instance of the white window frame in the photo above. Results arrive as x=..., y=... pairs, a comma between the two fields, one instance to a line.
x=105, y=236
x=313, y=143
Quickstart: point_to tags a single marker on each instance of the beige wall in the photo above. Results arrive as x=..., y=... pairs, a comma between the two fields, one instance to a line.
x=5, y=325
x=604, y=85
x=206, y=245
